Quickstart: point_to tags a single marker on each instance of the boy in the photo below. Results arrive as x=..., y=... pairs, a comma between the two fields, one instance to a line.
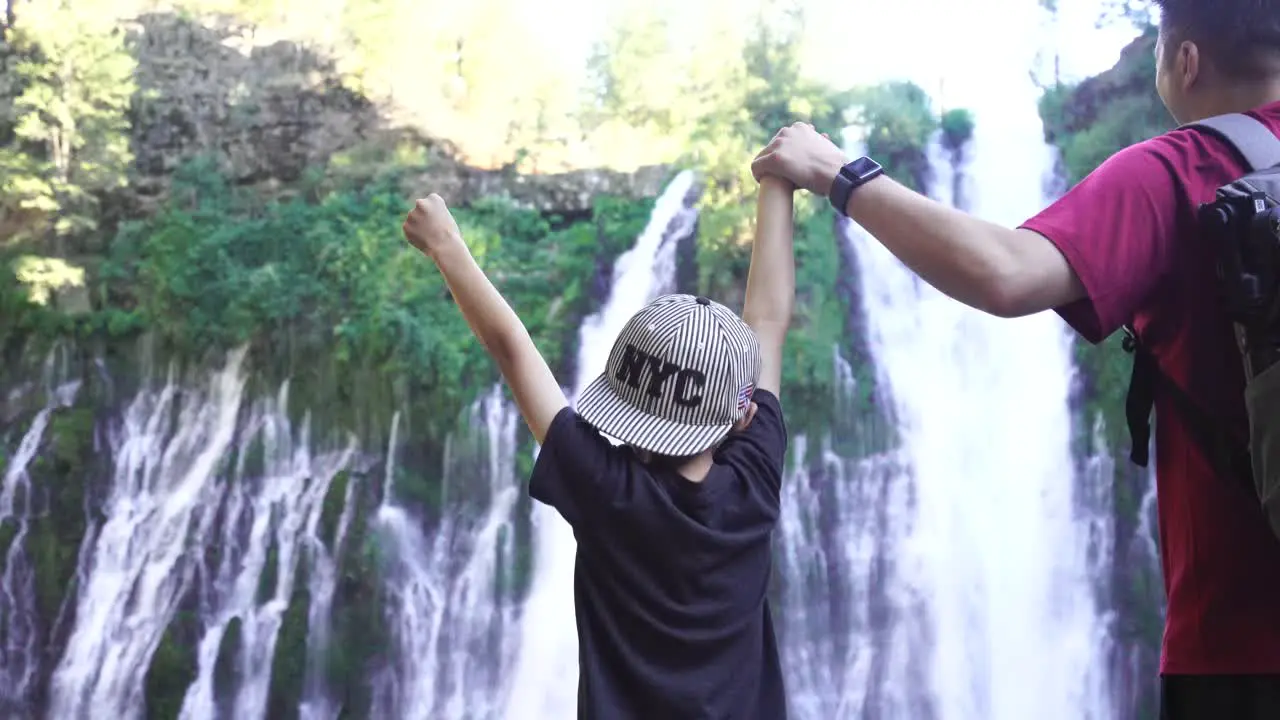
x=673, y=527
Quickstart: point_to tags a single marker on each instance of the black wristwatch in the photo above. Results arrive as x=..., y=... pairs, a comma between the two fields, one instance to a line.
x=850, y=178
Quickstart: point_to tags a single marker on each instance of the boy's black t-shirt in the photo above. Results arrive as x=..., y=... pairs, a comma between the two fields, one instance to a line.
x=671, y=576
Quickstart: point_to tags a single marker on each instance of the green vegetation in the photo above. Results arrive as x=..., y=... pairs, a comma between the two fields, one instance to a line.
x=898, y=122
x=64, y=125
x=957, y=128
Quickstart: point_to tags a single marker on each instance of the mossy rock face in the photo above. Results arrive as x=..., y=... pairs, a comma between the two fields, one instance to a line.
x=1090, y=121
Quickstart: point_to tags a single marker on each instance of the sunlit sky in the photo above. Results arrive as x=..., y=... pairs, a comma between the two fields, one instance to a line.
x=956, y=49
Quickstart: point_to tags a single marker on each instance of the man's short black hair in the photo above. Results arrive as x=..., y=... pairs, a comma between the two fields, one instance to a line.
x=1241, y=37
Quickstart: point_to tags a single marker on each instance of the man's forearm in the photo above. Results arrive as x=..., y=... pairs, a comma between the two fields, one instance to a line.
x=771, y=280
x=970, y=259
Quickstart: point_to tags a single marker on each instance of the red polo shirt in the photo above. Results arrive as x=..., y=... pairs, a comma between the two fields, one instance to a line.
x=1129, y=231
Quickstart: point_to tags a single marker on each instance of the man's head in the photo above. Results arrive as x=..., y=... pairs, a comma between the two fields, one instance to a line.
x=679, y=378
x=1217, y=56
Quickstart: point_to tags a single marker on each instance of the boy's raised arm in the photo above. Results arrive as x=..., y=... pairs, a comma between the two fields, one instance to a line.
x=431, y=228
x=771, y=281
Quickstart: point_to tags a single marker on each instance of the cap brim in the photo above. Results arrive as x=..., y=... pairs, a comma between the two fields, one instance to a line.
x=604, y=410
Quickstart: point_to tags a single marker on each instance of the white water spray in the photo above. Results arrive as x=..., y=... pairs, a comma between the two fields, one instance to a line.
x=269, y=519
x=451, y=613
x=139, y=567
x=841, y=528
x=546, y=673
x=998, y=549
x=20, y=649
x=174, y=493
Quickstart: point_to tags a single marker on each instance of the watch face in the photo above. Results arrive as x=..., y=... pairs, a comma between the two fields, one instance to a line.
x=862, y=168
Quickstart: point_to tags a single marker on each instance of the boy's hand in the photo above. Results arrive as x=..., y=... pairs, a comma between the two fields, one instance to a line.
x=430, y=226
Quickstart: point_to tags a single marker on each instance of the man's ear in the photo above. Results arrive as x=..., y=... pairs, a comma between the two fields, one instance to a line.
x=746, y=419
x=1187, y=64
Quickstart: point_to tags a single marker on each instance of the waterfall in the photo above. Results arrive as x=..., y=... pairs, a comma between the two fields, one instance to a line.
x=449, y=610
x=842, y=525
x=20, y=650
x=278, y=511
x=322, y=584
x=1000, y=543
x=138, y=570
x=545, y=684
x=194, y=470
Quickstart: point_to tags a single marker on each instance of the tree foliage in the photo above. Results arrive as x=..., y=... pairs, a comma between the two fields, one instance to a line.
x=71, y=79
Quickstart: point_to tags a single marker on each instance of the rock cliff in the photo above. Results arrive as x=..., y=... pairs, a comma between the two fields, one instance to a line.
x=268, y=112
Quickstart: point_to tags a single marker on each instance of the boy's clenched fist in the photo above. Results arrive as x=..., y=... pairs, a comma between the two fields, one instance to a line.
x=430, y=226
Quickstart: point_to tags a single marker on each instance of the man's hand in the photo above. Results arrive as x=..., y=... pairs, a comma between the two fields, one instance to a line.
x=430, y=226
x=800, y=154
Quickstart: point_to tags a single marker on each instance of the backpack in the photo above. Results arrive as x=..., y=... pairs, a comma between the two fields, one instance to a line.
x=1243, y=222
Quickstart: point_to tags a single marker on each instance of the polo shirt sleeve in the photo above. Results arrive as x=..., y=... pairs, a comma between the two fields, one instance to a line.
x=1117, y=229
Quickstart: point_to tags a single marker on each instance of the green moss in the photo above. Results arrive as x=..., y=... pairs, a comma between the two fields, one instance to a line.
x=59, y=476
x=359, y=632
x=335, y=499
x=957, y=127
x=173, y=667
x=289, y=665
x=270, y=573
x=8, y=531
x=226, y=666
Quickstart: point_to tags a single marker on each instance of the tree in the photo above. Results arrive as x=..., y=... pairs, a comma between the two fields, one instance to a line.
x=1138, y=13
x=71, y=132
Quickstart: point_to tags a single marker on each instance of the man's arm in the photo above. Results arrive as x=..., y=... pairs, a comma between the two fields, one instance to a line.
x=998, y=270
x=431, y=228
x=1001, y=271
x=771, y=280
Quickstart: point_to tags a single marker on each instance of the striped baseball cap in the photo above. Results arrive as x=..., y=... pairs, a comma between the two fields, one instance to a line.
x=680, y=375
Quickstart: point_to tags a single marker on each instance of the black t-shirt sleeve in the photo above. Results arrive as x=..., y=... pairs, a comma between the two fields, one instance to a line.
x=577, y=470
x=757, y=453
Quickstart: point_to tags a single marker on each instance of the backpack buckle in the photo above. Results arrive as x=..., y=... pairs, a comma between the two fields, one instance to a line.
x=1130, y=341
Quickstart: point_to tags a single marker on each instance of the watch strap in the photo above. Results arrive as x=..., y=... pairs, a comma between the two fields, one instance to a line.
x=851, y=177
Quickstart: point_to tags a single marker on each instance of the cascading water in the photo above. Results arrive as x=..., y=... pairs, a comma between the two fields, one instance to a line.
x=19, y=638
x=138, y=569
x=322, y=584
x=841, y=529
x=999, y=550
x=545, y=684
x=277, y=511
x=181, y=485
x=450, y=612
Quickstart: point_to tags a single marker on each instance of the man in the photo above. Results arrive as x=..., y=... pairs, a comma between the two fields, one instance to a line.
x=674, y=527
x=1123, y=246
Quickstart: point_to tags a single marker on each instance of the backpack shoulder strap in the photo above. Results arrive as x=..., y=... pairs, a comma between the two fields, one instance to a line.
x=1253, y=140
